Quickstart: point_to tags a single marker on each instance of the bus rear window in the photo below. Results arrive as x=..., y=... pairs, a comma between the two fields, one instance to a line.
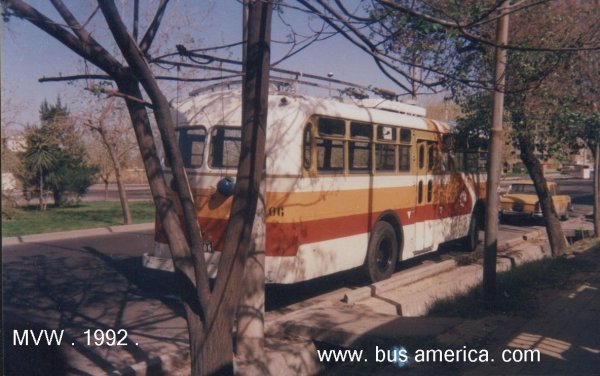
x=191, y=144
x=225, y=147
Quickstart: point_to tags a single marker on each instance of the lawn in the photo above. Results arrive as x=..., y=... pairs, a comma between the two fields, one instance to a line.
x=28, y=220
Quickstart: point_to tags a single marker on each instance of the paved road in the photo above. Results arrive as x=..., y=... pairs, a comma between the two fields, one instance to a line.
x=88, y=283
x=97, y=192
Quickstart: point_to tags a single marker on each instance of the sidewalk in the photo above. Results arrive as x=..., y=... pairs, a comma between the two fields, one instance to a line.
x=564, y=331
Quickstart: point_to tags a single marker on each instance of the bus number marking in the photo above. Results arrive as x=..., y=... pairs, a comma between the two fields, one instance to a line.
x=275, y=211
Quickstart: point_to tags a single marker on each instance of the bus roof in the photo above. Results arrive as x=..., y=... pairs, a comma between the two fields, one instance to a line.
x=224, y=108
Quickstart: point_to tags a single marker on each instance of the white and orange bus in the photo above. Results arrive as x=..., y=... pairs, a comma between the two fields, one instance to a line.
x=348, y=183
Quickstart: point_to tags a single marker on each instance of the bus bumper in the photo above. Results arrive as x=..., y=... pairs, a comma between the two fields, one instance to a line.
x=160, y=259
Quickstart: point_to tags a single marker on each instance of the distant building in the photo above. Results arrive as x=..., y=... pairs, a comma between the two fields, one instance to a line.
x=14, y=143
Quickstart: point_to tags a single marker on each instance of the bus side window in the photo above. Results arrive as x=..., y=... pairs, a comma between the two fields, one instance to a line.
x=330, y=145
x=431, y=156
x=436, y=158
x=429, y=191
x=307, y=146
x=472, y=162
x=360, y=147
x=191, y=144
x=225, y=147
x=385, y=157
x=459, y=159
x=421, y=156
x=385, y=150
x=404, y=156
x=330, y=155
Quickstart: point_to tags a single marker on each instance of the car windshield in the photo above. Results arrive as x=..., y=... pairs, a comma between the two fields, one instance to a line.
x=522, y=188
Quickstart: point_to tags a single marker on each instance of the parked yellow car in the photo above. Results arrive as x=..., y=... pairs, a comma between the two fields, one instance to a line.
x=521, y=200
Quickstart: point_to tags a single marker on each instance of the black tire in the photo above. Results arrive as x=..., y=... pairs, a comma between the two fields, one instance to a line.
x=382, y=254
x=472, y=239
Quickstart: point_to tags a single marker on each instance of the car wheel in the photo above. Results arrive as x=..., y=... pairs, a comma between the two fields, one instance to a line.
x=382, y=254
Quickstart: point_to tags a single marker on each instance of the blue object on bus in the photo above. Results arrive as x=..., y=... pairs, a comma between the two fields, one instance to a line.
x=226, y=186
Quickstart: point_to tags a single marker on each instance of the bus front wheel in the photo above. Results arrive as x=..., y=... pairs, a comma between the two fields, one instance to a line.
x=382, y=254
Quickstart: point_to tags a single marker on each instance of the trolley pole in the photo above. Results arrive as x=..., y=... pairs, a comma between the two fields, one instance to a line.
x=495, y=160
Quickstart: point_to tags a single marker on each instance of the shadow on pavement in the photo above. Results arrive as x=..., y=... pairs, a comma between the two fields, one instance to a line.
x=559, y=338
x=75, y=290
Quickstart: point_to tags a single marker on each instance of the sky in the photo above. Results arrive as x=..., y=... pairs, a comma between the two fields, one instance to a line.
x=29, y=54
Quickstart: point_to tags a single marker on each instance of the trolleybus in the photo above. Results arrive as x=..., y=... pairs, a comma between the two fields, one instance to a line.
x=349, y=183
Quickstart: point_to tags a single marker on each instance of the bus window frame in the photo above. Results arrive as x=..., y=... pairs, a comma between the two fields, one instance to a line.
x=380, y=140
x=332, y=138
x=210, y=162
x=189, y=147
x=351, y=145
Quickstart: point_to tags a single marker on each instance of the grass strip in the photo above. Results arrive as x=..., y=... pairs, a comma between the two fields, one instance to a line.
x=27, y=220
x=517, y=289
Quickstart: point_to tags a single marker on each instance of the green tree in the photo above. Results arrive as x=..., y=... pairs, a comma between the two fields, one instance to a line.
x=37, y=160
x=576, y=119
x=55, y=157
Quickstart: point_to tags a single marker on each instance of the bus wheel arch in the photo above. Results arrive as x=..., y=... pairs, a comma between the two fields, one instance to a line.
x=383, y=252
x=392, y=218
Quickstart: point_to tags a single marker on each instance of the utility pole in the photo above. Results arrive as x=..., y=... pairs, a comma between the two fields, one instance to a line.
x=495, y=160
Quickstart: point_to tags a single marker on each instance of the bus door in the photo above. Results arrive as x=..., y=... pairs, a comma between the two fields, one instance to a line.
x=424, y=237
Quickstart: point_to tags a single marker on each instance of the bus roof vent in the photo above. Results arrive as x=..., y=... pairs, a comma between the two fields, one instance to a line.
x=393, y=106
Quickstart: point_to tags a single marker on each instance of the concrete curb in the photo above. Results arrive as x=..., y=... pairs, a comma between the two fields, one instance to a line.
x=513, y=242
x=413, y=275
x=76, y=234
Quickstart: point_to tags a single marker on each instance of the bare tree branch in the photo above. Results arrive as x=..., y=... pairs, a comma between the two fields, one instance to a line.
x=136, y=58
x=92, y=51
x=153, y=28
x=116, y=93
x=76, y=77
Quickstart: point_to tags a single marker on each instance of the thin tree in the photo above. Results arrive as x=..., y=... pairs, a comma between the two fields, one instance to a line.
x=111, y=139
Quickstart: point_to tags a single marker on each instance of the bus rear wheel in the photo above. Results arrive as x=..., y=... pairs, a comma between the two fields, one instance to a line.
x=382, y=254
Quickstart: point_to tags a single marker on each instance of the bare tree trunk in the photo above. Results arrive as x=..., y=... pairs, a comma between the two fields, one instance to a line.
x=239, y=232
x=250, y=338
x=556, y=237
x=165, y=210
x=127, y=219
x=105, y=189
x=112, y=153
x=42, y=204
x=596, y=152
